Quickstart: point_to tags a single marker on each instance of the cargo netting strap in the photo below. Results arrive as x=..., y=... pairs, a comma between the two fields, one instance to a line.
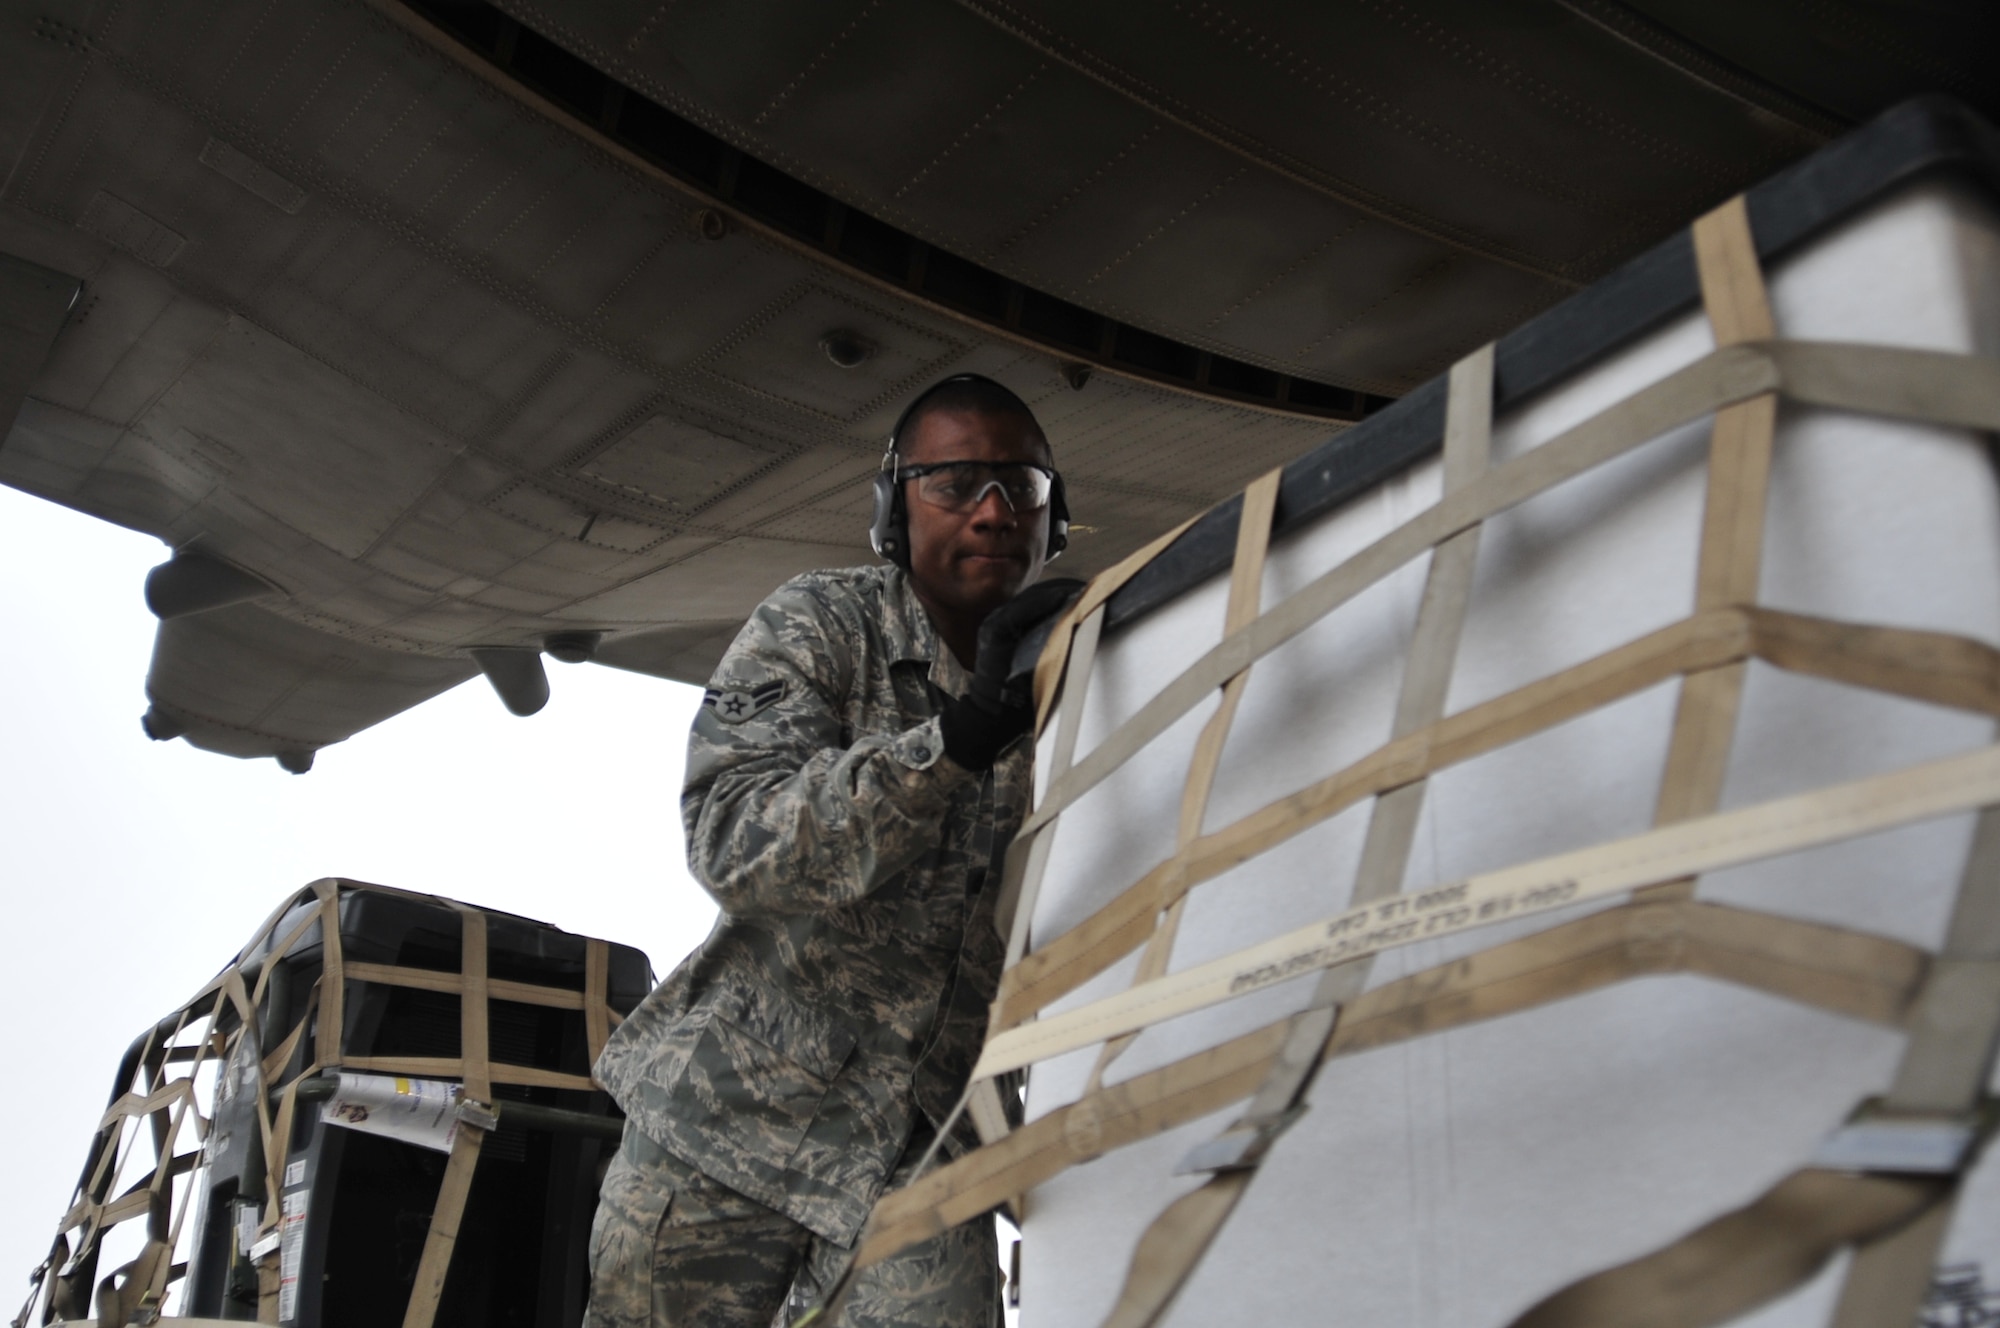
x=1660, y=929
x=1846, y=972
x=1174, y=1243
x=1786, y=1236
x=1246, y=586
x=1732, y=521
x=1065, y=664
x=449, y=1210
x=1054, y=664
x=1064, y=669
x=1893, y=1207
x=1945, y=1068
x=159, y=1088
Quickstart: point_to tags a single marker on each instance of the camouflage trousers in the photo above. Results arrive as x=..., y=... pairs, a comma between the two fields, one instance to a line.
x=671, y=1248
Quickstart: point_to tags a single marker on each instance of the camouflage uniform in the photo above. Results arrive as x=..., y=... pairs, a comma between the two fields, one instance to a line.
x=839, y=1004
x=670, y=1246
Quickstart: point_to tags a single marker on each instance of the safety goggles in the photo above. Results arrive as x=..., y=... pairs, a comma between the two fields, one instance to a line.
x=961, y=486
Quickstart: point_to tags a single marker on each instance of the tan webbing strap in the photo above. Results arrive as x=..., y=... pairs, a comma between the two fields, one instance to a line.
x=1729, y=374
x=1108, y=934
x=1076, y=686
x=1870, y=978
x=1065, y=667
x=158, y=1065
x=1889, y=1275
x=1742, y=1259
x=230, y=985
x=162, y=1094
x=449, y=1210
x=142, y=1105
x=451, y=1067
x=276, y=1142
x=1937, y=387
x=1907, y=385
x=140, y=1286
x=1246, y=587
x=1782, y=825
x=189, y=1105
x=111, y=1154
x=281, y=1055
x=279, y=948
x=1028, y=856
x=1049, y=668
x=1848, y=973
x=275, y=1132
x=332, y=980
x=1926, y=666
x=170, y=1164
x=122, y=1295
x=596, y=998
x=1771, y=1246
x=264, y=929
x=1944, y=1072
x=128, y=1205
x=1945, y=670
x=1732, y=281
x=1732, y=535
x=1020, y=888
x=1122, y=1113
x=1955, y=389
x=1949, y=1058
x=1928, y=386
x=521, y=993
x=1433, y=653
x=989, y=1116
x=1173, y=1244
x=474, y=1007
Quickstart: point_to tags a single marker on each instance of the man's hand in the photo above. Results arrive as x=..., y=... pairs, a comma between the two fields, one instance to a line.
x=992, y=714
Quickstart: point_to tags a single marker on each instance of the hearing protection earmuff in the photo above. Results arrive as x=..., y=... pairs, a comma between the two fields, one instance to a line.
x=889, y=529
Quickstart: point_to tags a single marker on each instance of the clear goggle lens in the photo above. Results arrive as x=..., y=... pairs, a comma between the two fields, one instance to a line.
x=960, y=486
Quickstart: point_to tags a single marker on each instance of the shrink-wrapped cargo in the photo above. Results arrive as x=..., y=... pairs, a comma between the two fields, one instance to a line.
x=1544, y=882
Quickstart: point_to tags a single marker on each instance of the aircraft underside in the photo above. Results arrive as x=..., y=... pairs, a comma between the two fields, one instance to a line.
x=420, y=330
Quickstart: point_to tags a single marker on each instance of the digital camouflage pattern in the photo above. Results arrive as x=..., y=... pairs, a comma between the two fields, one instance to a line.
x=670, y=1246
x=844, y=990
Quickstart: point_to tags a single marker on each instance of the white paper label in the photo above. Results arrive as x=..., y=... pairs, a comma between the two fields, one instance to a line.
x=292, y=1251
x=415, y=1111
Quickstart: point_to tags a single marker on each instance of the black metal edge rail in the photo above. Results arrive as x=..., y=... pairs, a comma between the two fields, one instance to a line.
x=1924, y=135
x=857, y=241
x=510, y=1114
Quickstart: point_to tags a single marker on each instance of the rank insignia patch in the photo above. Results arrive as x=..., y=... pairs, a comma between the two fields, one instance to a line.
x=735, y=707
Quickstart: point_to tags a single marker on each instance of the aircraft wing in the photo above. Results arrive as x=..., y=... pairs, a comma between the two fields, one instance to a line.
x=246, y=682
x=421, y=330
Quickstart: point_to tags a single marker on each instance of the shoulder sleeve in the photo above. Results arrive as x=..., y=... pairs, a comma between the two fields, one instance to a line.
x=784, y=812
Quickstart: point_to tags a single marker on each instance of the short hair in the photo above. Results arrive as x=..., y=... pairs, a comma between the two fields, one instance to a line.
x=971, y=395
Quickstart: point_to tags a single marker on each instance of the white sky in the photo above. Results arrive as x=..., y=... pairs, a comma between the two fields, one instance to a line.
x=133, y=870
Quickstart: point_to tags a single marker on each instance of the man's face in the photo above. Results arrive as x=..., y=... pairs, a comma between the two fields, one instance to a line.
x=969, y=563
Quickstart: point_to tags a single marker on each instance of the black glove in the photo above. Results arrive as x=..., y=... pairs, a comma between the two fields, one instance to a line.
x=992, y=714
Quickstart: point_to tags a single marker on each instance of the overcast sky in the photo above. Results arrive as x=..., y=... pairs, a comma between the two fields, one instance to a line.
x=134, y=870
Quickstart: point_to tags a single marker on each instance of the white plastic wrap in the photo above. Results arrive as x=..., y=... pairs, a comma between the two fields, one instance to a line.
x=1457, y=1179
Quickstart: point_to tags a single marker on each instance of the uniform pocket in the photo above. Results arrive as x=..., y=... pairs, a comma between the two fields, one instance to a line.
x=631, y=1207
x=759, y=1071
x=817, y=1042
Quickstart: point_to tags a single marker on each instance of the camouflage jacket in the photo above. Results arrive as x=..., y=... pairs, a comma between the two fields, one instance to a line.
x=844, y=990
